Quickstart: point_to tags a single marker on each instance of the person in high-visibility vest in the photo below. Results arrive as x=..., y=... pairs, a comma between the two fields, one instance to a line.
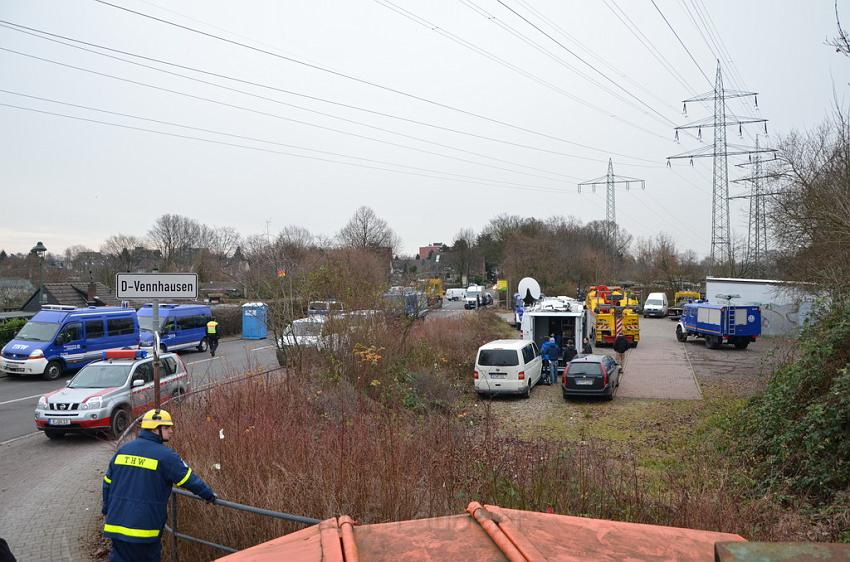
x=136, y=488
x=212, y=335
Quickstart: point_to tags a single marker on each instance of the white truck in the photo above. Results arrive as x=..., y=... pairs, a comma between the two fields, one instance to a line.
x=476, y=296
x=563, y=317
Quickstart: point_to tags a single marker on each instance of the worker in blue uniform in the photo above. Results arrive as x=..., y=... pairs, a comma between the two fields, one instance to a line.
x=137, y=486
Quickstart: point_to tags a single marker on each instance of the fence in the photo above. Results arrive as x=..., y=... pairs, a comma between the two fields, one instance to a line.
x=176, y=535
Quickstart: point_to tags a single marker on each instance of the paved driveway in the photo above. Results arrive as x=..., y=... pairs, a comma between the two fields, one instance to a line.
x=659, y=366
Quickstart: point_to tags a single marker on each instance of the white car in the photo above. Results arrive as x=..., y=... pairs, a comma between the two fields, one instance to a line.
x=105, y=396
x=507, y=367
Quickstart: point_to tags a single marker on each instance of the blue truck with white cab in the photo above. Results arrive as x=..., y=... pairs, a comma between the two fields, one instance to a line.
x=720, y=323
x=63, y=338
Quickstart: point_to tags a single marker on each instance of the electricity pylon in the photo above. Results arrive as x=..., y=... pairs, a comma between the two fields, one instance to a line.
x=757, y=225
x=720, y=150
x=610, y=180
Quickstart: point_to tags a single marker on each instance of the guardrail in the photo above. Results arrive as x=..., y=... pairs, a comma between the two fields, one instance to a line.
x=176, y=535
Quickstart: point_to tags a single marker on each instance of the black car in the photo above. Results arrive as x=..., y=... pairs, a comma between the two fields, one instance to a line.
x=591, y=375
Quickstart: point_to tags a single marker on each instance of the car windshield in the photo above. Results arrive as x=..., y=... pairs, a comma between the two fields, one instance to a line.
x=103, y=375
x=146, y=323
x=498, y=358
x=585, y=369
x=38, y=331
x=300, y=329
x=654, y=301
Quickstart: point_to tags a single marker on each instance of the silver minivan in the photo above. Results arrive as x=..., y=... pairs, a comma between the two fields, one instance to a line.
x=507, y=367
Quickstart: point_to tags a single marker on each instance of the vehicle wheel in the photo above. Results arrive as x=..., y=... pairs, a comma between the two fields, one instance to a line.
x=119, y=422
x=53, y=371
x=564, y=392
x=742, y=343
x=681, y=335
x=203, y=345
x=712, y=342
x=527, y=393
x=610, y=395
x=54, y=434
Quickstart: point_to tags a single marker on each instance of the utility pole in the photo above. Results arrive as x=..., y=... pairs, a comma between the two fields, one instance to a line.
x=610, y=181
x=719, y=151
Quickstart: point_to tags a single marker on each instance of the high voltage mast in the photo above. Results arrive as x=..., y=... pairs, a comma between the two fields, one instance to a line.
x=720, y=150
x=757, y=225
x=610, y=180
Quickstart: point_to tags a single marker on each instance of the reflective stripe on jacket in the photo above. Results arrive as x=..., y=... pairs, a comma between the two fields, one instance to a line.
x=137, y=486
x=212, y=327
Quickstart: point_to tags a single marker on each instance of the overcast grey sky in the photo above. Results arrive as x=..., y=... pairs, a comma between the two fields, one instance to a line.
x=68, y=181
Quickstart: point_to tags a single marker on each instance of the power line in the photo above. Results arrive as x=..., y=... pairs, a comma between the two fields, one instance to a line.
x=242, y=137
x=682, y=43
x=585, y=62
x=283, y=118
x=482, y=181
x=343, y=75
x=528, y=41
x=487, y=54
x=23, y=29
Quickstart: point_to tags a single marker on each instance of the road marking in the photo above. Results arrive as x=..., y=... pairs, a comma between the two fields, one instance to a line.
x=20, y=399
x=203, y=360
x=264, y=347
x=19, y=438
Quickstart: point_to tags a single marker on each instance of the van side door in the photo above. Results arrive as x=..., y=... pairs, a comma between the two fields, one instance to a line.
x=72, y=344
x=95, y=337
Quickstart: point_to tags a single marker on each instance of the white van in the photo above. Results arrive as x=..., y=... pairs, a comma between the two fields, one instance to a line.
x=655, y=305
x=507, y=367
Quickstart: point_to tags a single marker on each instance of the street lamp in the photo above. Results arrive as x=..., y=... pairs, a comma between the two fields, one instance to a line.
x=39, y=250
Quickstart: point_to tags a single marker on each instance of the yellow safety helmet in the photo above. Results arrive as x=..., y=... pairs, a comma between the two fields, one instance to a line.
x=156, y=418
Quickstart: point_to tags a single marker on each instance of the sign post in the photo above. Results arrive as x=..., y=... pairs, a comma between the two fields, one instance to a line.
x=153, y=287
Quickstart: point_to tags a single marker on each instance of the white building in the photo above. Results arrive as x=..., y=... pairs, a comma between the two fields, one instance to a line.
x=784, y=307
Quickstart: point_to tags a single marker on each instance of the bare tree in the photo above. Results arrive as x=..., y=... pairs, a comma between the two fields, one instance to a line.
x=811, y=214
x=841, y=42
x=367, y=230
x=173, y=234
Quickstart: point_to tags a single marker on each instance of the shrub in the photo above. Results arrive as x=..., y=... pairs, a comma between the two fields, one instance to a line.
x=229, y=318
x=9, y=328
x=800, y=427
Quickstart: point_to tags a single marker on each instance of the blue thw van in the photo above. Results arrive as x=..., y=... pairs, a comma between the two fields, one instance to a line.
x=60, y=338
x=181, y=326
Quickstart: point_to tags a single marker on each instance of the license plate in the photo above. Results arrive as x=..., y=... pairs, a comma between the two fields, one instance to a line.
x=498, y=375
x=584, y=382
x=59, y=422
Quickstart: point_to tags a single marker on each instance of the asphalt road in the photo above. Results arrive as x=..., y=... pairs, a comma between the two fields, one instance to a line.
x=19, y=396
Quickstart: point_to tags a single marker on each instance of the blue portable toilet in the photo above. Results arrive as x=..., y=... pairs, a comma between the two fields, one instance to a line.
x=254, y=321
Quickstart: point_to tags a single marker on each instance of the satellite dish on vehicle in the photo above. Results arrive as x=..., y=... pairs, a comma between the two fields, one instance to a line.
x=528, y=289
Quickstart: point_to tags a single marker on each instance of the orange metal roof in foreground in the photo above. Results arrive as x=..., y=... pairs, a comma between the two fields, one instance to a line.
x=488, y=533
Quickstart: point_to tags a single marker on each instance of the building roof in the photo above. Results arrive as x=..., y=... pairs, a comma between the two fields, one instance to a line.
x=72, y=294
x=488, y=533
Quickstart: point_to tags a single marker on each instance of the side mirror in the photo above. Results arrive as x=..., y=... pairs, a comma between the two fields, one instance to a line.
x=138, y=382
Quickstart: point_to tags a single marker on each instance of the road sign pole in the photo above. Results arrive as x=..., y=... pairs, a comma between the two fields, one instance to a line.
x=156, y=396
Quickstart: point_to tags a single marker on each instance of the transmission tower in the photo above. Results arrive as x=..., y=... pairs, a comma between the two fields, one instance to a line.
x=720, y=150
x=757, y=224
x=610, y=180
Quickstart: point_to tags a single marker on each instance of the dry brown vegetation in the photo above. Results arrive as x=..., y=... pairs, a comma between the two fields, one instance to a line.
x=383, y=430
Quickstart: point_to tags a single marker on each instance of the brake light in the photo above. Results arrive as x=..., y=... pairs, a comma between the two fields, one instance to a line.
x=521, y=375
x=604, y=374
x=475, y=375
x=566, y=370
